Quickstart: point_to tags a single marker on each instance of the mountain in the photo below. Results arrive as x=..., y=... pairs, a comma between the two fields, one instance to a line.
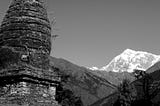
x=154, y=88
x=122, y=66
x=82, y=82
x=114, y=77
x=91, y=85
x=129, y=60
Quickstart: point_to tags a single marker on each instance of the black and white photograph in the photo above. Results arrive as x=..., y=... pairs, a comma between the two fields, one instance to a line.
x=79, y=52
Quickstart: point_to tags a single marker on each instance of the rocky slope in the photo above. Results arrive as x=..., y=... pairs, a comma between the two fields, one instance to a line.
x=114, y=77
x=82, y=82
x=96, y=85
x=154, y=74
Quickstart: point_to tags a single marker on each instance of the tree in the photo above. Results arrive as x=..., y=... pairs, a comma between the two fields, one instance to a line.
x=150, y=88
x=66, y=97
x=126, y=93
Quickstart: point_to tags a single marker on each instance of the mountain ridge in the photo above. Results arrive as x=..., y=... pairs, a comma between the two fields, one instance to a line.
x=132, y=59
x=154, y=74
x=82, y=82
x=95, y=85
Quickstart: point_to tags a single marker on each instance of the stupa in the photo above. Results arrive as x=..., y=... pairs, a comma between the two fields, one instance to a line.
x=25, y=45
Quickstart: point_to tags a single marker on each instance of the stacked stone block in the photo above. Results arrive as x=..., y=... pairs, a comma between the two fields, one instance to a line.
x=25, y=46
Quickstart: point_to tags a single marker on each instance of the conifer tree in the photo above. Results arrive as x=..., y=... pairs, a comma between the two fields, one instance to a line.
x=66, y=97
x=126, y=93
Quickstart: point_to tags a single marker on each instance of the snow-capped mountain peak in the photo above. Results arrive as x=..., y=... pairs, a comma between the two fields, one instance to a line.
x=129, y=60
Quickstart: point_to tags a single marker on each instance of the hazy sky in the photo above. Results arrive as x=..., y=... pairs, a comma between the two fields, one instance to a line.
x=92, y=32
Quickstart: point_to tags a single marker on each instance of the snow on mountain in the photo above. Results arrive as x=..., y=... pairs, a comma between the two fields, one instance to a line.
x=93, y=68
x=129, y=60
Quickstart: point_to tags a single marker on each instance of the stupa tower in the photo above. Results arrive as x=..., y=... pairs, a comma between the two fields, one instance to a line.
x=25, y=45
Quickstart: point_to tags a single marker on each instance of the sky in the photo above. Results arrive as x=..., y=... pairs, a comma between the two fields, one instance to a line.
x=93, y=32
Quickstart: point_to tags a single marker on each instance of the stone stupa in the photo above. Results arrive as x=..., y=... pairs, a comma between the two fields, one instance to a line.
x=25, y=46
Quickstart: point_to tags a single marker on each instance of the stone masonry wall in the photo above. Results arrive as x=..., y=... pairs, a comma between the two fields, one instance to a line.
x=27, y=94
x=25, y=46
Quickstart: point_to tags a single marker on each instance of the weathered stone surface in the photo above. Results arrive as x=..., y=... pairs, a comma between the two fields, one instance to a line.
x=26, y=27
x=25, y=46
x=23, y=93
x=27, y=16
